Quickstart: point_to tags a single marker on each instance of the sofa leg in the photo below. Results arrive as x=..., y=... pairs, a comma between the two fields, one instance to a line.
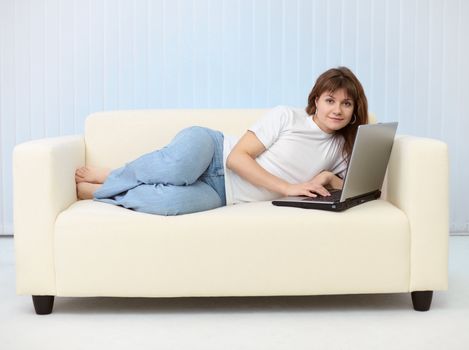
x=43, y=304
x=422, y=300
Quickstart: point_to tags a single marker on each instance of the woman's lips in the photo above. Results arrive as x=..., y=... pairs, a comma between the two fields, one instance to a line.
x=336, y=119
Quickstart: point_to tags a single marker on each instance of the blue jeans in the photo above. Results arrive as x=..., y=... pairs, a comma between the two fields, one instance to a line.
x=184, y=177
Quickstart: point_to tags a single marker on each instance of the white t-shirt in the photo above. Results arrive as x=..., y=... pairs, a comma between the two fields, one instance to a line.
x=296, y=151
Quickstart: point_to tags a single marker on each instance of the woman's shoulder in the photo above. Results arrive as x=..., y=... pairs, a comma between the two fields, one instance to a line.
x=286, y=108
x=289, y=112
x=280, y=109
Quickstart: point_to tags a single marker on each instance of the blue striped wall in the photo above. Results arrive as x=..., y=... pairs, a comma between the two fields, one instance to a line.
x=62, y=59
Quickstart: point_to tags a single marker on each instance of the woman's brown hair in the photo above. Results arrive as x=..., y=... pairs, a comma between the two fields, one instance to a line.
x=342, y=78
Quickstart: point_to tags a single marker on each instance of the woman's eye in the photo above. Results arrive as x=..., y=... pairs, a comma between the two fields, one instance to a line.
x=348, y=104
x=329, y=101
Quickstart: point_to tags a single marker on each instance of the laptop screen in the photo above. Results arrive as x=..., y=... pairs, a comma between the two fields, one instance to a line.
x=369, y=159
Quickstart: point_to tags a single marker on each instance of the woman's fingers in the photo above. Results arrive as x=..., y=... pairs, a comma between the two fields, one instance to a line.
x=307, y=189
x=320, y=190
x=324, y=192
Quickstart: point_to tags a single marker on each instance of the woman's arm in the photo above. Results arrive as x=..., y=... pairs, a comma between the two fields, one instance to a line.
x=242, y=161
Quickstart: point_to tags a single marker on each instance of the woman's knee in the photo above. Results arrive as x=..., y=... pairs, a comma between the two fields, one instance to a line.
x=200, y=135
x=192, y=130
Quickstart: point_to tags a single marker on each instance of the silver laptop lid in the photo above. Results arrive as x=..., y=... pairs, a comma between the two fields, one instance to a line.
x=369, y=160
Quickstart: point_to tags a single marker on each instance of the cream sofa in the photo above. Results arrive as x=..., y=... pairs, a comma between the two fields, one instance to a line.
x=66, y=247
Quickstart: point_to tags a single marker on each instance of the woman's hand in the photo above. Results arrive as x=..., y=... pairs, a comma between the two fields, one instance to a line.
x=312, y=187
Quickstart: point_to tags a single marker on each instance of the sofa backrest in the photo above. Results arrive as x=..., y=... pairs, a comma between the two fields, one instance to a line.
x=114, y=138
x=117, y=137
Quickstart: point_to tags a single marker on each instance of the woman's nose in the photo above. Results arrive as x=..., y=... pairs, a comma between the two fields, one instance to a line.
x=337, y=110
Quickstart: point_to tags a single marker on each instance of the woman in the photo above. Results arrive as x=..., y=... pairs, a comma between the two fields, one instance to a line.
x=288, y=152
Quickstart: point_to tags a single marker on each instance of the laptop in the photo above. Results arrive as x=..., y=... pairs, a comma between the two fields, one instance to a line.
x=364, y=176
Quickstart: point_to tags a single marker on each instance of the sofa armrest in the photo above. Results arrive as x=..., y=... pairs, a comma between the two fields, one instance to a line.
x=43, y=186
x=417, y=183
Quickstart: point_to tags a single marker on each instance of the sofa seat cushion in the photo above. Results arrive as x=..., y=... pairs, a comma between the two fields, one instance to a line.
x=245, y=249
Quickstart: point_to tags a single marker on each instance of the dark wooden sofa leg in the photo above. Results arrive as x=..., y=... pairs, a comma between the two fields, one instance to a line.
x=422, y=300
x=43, y=304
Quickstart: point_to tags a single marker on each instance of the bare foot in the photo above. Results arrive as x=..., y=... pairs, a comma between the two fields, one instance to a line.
x=91, y=174
x=85, y=190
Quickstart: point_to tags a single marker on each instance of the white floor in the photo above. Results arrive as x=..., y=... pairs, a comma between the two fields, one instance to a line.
x=384, y=321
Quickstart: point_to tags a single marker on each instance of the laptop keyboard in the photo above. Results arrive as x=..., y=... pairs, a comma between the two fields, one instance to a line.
x=334, y=197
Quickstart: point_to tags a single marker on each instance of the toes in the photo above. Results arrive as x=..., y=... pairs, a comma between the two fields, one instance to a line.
x=81, y=173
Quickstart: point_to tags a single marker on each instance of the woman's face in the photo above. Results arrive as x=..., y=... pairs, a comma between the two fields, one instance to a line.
x=334, y=111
